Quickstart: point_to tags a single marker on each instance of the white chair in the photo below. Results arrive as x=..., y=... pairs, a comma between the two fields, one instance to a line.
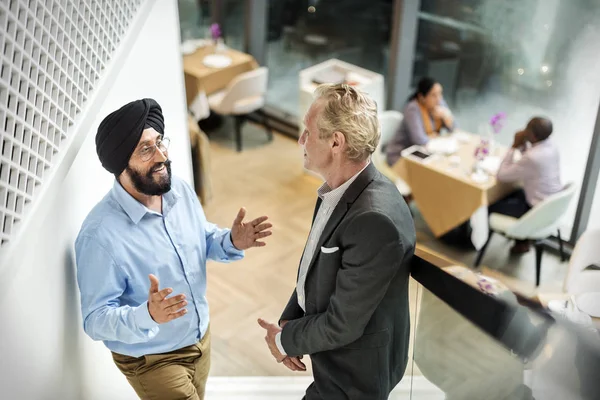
x=537, y=224
x=583, y=275
x=244, y=95
x=390, y=121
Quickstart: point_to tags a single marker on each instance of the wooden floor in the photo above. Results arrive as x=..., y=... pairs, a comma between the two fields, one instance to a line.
x=267, y=180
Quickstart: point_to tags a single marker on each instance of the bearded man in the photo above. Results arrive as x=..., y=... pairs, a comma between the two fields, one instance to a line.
x=141, y=260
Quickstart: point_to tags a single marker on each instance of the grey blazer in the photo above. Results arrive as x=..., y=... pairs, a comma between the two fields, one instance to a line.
x=356, y=326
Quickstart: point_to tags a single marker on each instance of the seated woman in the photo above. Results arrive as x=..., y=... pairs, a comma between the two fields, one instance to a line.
x=425, y=114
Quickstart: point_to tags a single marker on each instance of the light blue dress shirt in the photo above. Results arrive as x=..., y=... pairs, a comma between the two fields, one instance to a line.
x=120, y=243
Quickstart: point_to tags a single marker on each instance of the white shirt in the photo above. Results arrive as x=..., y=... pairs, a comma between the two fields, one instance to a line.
x=538, y=168
x=330, y=199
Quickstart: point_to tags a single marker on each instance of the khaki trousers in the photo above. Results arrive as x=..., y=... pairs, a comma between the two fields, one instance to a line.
x=179, y=374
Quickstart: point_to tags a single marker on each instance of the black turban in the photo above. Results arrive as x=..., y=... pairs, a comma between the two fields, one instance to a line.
x=120, y=132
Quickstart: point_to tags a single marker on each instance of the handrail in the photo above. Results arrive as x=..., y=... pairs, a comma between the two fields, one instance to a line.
x=539, y=339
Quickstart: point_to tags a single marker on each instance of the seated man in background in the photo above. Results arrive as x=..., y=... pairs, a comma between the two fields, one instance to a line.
x=425, y=115
x=538, y=169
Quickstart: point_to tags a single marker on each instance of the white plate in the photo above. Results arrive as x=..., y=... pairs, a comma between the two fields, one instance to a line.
x=462, y=137
x=454, y=160
x=188, y=48
x=217, y=61
x=479, y=178
x=557, y=306
x=490, y=164
x=589, y=303
x=442, y=145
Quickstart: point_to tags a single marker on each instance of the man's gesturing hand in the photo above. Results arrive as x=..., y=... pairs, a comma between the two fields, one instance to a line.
x=162, y=309
x=247, y=234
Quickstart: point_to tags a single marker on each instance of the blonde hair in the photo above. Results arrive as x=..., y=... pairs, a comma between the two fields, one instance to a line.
x=354, y=114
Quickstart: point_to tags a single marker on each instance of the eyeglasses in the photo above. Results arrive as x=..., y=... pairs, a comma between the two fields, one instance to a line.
x=147, y=151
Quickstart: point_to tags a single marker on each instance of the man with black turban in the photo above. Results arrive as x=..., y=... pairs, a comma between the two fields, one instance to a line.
x=150, y=230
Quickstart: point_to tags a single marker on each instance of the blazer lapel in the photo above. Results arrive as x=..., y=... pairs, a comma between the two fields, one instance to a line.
x=319, y=201
x=351, y=194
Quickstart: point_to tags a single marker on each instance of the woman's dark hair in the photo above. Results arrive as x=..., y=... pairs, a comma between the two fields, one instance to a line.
x=423, y=87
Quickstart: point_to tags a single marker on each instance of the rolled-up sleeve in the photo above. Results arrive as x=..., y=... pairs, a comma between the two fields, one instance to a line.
x=219, y=246
x=511, y=171
x=101, y=283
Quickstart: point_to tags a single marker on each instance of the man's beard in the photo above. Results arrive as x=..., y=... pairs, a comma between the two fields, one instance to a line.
x=147, y=183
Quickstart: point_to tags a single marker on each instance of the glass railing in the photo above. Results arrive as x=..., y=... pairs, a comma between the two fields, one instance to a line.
x=470, y=339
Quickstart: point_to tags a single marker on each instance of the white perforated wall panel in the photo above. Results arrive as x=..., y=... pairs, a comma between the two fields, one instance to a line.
x=52, y=54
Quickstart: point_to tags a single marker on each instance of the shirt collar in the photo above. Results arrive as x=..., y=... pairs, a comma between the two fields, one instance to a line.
x=136, y=210
x=328, y=195
x=541, y=143
x=537, y=145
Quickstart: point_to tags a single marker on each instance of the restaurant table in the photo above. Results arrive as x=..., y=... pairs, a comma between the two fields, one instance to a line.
x=200, y=78
x=445, y=191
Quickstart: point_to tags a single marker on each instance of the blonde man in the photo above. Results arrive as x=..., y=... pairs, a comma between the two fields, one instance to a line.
x=349, y=310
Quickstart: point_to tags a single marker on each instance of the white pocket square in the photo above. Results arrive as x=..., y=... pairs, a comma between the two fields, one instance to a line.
x=329, y=250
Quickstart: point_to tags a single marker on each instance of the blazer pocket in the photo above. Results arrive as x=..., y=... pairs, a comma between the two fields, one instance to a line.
x=329, y=250
x=370, y=341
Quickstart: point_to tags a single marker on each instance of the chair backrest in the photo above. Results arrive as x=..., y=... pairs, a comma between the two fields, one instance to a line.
x=580, y=278
x=245, y=86
x=390, y=121
x=544, y=219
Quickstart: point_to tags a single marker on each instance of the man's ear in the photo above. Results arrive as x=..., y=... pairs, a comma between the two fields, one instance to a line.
x=338, y=141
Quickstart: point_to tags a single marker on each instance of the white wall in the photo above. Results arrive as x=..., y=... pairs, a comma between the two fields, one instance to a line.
x=44, y=351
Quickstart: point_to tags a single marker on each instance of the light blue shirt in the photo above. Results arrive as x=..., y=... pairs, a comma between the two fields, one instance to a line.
x=120, y=243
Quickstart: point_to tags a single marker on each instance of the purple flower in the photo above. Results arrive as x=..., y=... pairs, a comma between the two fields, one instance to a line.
x=479, y=153
x=215, y=31
x=482, y=150
x=497, y=121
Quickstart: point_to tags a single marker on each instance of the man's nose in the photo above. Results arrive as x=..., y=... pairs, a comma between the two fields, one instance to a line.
x=162, y=155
